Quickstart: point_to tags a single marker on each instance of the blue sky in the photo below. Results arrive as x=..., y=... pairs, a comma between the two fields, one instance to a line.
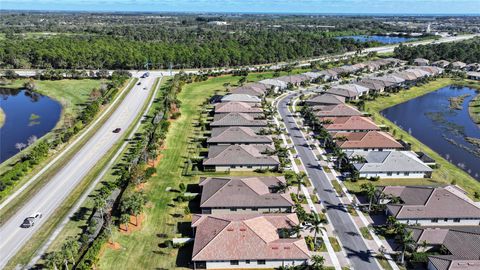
x=263, y=6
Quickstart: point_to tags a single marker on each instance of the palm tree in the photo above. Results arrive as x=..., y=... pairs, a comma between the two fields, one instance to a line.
x=317, y=262
x=69, y=251
x=125, y=219
x=99, y=203
x=369, y=189
x=296, y=230
x=52, y=259
x=406, y=240
x=315, y=225
x=300, y=180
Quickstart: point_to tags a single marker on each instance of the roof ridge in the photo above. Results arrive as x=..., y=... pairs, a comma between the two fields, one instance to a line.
x=209, y=242
x=229, y=180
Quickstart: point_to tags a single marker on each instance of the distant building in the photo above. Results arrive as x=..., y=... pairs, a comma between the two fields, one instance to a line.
x=335, y=110
x=240, y=158
x=458, y=65
x=237, y=119
x=241, y=98
x=237, y=107
x=348, y=91
x=421, y=62
x=473, y=75
x=219, y=23
x=367, y=141
x=441, y=63
x=348, y=124
x=325, y=99
x=239, y=136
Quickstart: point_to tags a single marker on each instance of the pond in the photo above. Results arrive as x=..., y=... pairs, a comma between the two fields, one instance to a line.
x=28, y=115
x=432, y=120
x=381, y=39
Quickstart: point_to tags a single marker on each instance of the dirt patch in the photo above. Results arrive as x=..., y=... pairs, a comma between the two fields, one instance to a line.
x=141, y=187
x=113, y=245
x=135, y=224
x=154, y=163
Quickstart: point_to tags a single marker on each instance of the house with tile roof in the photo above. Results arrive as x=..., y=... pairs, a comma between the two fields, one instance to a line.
x=388, y=164
x=325, y=99
x=366, y=140
x=455, y=247
x=441, y=63
x=335, y=110
x=421, y=62
x=245, y=195
x=241, y=98
x=458, y=65
x=239, y=135
x=237, y=107
x=373, y=86
x=348, y=124
x=432, y=206
x=240, y=158
x=257, y=90
x=237, y=119
x=295, y=80
x=348, y=91
x=240, y=241
x=274, y=84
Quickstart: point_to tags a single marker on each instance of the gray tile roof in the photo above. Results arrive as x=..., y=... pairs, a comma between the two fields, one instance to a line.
x=241, y=98
x=218, y=130
x=325, y=99
x=240, y=135
x=335, y=110
x=243, y=192
x=388, y=161
x=240, y=155
x=238, y=107
x=348, y=90
x=442, y=202
x=237, y=119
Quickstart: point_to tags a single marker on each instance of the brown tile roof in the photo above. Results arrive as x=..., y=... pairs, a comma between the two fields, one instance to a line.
x=218, y=130
x=431, y=202
x=335, y=110
x=366, y=139
x=240, y=135
x=371, y=84
x=237, y=119
x=243, y=192
x=240, y=155
x=246, y=237
x=238, y=107
x=349, y=123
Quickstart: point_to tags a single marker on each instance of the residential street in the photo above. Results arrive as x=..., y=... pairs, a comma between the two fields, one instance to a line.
x=53, y=194
x=350, y=238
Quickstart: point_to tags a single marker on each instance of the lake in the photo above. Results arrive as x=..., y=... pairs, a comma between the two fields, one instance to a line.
x=430, y=119
x=381, y=39
x=27, y=114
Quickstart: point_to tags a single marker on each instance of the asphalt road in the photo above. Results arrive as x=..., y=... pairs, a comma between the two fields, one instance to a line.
x=52, y=195
x=350, y=238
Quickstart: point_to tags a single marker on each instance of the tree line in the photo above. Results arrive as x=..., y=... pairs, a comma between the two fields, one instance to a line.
x=466, y=51
x=193, y=50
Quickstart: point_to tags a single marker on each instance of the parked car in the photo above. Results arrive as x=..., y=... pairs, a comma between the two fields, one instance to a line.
x=117, y=130
x=30, y=221
x=139, y=83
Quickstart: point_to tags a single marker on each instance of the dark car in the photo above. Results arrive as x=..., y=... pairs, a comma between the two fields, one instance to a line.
x=30, y=221
x=117, y=130
x=139, y=83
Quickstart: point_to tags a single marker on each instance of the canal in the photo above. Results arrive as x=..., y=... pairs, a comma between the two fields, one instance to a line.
x=432, y=120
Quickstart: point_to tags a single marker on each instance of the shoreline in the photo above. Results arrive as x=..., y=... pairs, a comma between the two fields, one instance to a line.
x=447, y=172
x=3, y=117
x=473, y=109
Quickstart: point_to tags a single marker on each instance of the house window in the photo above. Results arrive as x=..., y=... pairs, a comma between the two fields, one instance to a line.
x=233, y=209
x=445, y=219
x=247, y=261
x=233, y=262
x=434, y=220
x=389, y=174
x=406, y=174
x=249, y=167
x=260, y=261
x=233, y=167
x=456, y=220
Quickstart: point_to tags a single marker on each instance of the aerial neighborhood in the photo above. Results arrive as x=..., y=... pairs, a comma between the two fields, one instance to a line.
x=240, y=135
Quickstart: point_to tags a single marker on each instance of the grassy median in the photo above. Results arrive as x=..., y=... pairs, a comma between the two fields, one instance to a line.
x=447, y=173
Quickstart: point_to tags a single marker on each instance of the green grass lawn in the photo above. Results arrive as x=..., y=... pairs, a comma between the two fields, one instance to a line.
x=335, y=245
x=366, y=233
x=383, y=262
x=447, y=172
x=141, y=249
x=473, y=109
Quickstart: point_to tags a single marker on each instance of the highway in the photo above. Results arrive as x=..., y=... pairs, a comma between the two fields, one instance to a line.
x=355, y=248
x=52, y=195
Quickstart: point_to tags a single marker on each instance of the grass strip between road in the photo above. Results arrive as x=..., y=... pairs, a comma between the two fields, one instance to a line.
x=29, y=250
